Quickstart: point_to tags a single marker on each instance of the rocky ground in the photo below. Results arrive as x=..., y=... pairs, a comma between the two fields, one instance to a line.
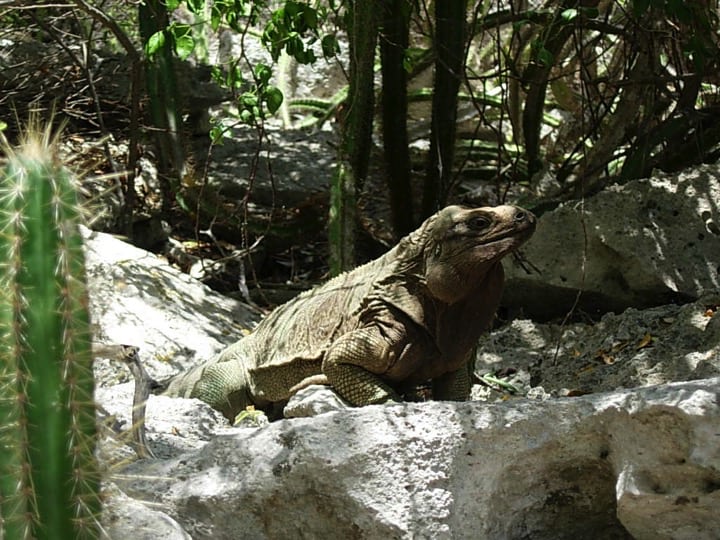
x=596, y=408
x=599, y=426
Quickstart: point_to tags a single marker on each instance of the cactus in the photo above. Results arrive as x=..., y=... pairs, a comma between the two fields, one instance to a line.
x=49, y=479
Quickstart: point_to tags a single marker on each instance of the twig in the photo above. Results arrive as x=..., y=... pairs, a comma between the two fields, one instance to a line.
x=143, y=384
x=135, y=74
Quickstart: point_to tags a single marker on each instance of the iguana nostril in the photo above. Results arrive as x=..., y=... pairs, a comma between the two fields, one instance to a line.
x=520, y=216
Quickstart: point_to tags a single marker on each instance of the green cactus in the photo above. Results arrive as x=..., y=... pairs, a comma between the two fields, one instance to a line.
x=49, y=480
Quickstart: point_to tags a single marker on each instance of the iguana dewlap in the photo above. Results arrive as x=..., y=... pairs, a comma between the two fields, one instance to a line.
x=411, y=316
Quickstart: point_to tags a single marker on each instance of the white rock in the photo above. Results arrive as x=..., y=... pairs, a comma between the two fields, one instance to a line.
x=174, y=425
x=137, y=298
x=644, y=463
x=648, y=242
x=125, y=518
x=313, y=400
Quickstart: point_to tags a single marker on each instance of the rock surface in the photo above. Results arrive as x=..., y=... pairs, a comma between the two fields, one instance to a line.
x=137, y=299
x=312, y=401
x=126, y=518
x=642, y=464
x=647, y=243
x=173, y=426
x=302, y=167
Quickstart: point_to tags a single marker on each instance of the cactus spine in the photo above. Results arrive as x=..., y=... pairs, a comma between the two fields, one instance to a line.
x=49, y=478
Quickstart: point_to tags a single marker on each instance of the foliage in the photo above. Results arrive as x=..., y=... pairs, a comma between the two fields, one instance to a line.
x=49, y=484
x=292, y=28
x=563, y=98
x=625, y=79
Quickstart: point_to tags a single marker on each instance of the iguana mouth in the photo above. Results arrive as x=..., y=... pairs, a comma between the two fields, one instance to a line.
x=521, y=233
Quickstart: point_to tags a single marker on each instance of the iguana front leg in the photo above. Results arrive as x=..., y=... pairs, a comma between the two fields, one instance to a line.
x=354, y=362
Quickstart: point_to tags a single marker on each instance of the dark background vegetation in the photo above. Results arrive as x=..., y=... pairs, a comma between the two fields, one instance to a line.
x=527, y=102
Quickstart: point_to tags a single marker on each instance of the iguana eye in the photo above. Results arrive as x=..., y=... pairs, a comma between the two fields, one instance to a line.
x=479, y=223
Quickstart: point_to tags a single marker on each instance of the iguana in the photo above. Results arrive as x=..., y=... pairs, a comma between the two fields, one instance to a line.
x=411, y=316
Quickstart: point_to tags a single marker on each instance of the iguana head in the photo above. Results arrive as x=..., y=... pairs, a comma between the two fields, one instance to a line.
x=463, y=244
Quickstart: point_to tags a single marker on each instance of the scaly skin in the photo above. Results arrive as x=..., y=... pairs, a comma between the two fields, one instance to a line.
x=413, y=315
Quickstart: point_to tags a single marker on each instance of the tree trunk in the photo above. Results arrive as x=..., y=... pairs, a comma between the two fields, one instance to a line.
x=449, y=62
x=393, y=43
x=357, y=123
x=161, y=88
x=535, y=78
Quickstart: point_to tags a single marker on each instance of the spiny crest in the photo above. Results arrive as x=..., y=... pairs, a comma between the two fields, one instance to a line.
x=411, y=248
x=39, y=146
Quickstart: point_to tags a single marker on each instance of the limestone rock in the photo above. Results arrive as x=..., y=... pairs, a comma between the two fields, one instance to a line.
x=302, y=166
x=173, y=425
x=648, y=242
x=313, y=400
x=137, y=298
x=126, y=518
x=642, y=463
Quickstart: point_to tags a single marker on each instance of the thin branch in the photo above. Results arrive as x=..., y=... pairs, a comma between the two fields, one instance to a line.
x=113, y=26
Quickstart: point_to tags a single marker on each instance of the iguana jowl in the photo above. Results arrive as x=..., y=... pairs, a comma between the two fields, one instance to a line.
x=411, y=316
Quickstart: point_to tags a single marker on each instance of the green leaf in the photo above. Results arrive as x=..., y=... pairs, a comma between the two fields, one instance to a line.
x=182, y=203
x=305, y=56
x=217, y=134
x=263, y=74
x=155, y=43
x=273, y=98
x=215, y=17
x=172, y=5
x=569, y=14
x=545, y=57
x=246, y=116
x=290, y=10
x=235, y=77
x=330, y=46
x=278, y=18
x=3, y=125
x=310, y=18
x=183, y=40
x=248, y=100
x=217, y=75
x=184, y=46
x=196, y=6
